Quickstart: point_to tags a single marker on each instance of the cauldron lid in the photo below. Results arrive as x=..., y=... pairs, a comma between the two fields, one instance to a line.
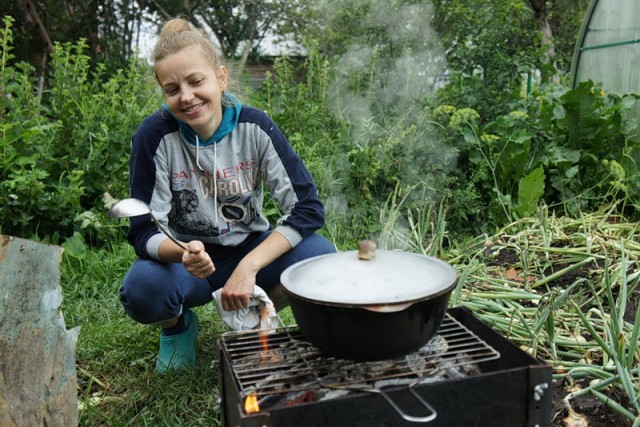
x=390, y=277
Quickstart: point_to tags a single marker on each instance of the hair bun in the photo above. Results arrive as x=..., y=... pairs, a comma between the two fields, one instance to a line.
x=174, y=26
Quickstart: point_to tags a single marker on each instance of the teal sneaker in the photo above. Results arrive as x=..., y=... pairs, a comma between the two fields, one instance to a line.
x=178, y=351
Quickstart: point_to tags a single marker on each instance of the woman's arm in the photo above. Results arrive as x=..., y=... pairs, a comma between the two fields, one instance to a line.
x=239, y=288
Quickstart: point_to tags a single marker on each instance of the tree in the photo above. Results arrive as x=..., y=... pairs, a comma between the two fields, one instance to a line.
x=108, y=26
x=558, y=23
x=565, y=20
x=490, y=46
x=386, y=52
x=540, y=11
x=237, y=25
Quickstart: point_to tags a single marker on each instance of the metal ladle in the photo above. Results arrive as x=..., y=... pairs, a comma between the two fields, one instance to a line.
x=126, y=208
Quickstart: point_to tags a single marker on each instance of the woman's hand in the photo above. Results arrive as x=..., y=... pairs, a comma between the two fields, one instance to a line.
x=238, y=290
x=197, y=261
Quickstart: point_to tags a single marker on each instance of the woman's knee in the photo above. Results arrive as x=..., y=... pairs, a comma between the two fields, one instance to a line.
x=147, y=293
x=318, y=245
x=312, y=246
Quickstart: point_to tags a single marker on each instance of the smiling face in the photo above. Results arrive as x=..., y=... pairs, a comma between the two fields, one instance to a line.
x=193, y=89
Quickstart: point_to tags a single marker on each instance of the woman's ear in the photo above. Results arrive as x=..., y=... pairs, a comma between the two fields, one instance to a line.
x=222, y=75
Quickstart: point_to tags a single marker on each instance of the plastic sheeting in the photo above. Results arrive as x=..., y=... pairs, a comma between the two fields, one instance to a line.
x=608, y=47
x=37, y=352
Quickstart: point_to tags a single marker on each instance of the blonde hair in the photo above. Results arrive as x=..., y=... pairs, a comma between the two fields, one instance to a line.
x=177, y=34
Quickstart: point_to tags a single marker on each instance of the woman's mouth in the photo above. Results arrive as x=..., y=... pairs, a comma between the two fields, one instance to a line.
x=193, y=109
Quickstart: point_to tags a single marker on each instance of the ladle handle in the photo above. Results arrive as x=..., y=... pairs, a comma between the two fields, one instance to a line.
x=166, y=233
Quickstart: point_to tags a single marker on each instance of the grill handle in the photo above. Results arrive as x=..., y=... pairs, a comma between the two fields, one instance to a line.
x=406, y=416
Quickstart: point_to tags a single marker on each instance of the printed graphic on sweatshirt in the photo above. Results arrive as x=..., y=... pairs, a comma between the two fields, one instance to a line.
x=236, y=197
x=231, y=182
x=183, y=215
x=237, y=209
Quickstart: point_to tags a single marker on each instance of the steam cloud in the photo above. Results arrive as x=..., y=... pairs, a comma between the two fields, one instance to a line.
x=381, y=88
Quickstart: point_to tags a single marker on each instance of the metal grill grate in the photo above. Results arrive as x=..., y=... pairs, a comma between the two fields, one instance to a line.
x=281, y=361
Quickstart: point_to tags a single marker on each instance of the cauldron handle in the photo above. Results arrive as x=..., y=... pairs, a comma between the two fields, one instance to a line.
x=406, y=416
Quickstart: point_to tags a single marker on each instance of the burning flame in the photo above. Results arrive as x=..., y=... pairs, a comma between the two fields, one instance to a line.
x=265, y=354
x=264, y=322
x=251, y=403
x=264, y=340
x=263, y=336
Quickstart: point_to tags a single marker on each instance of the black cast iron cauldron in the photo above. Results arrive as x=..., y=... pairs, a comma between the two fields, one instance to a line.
x=369, y=305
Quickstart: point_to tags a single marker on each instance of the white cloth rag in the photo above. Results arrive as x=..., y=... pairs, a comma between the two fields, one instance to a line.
x=259, y=314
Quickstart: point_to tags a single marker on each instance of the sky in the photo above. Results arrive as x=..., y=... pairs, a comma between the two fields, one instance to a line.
x=267, y=47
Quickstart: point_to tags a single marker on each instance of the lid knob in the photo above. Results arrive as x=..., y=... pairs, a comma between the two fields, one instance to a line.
x=366, y=249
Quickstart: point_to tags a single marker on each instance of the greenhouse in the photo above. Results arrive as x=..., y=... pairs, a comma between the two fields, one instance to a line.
x=608, y=46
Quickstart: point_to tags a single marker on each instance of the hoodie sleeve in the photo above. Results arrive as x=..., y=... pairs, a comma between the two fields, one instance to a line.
x=144, y=184
x=291, y=186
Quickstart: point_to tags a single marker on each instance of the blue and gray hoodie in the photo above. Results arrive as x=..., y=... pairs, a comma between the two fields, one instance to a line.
x=212, y=190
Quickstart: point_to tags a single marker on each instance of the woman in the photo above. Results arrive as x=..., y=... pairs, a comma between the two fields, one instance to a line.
x=200, y=162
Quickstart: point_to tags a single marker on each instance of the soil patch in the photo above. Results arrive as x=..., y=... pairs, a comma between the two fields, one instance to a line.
x=590, y=411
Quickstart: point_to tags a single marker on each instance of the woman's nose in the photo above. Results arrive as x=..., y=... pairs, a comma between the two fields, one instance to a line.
x=186, y=95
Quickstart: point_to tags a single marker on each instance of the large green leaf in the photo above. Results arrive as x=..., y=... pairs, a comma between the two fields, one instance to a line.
x=530, y=190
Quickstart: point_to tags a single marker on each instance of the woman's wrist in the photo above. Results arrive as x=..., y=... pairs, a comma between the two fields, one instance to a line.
x=170, y=252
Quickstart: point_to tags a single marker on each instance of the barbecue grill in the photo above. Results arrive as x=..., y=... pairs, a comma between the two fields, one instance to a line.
x=467, y=375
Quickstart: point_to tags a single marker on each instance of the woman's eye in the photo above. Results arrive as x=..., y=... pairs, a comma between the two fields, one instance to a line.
x=171, y=91
x=197, y=82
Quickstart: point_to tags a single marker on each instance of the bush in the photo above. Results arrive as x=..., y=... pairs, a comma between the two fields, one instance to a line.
x=357, y=166
x=61, y=153
x=574, y=149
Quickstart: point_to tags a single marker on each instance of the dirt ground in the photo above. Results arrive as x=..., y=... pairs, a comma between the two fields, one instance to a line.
x=591, y=412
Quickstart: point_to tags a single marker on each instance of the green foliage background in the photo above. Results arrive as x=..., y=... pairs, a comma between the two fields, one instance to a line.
x=419, y=161
x=60, y=154
x=367, y=139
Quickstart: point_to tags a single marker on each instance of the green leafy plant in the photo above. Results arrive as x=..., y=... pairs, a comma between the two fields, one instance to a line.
x=596, y=128
x=575, y=149
x=38, y=201
x=61, y=153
